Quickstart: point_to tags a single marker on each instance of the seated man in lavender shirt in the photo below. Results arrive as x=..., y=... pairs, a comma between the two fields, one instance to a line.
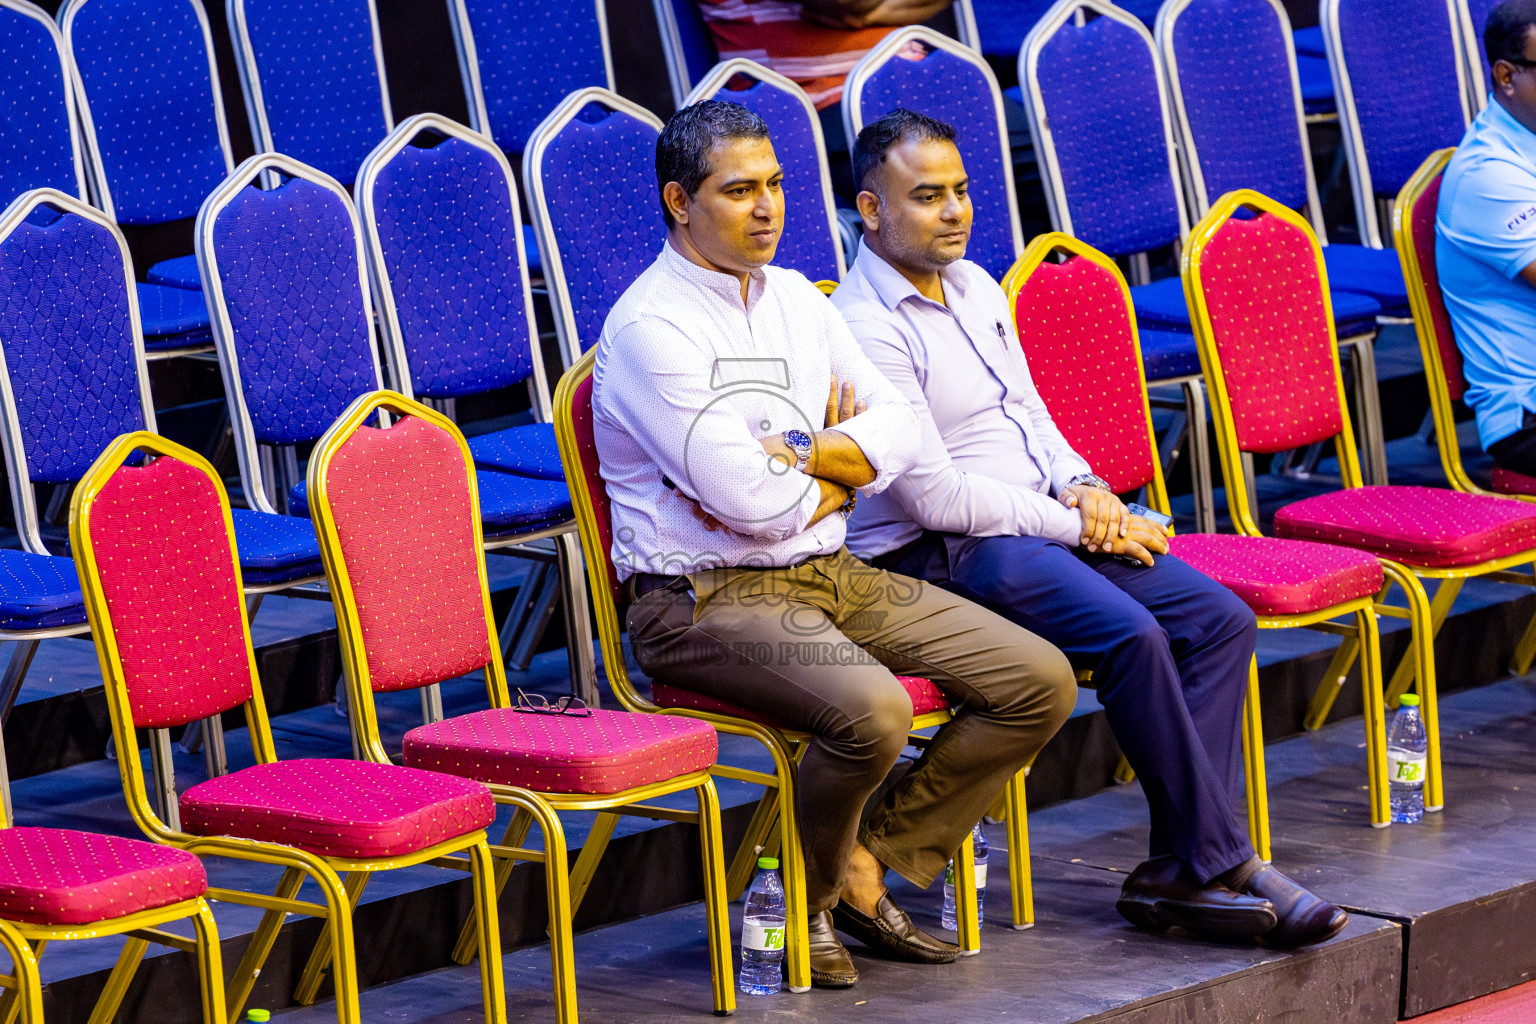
x=1000, y=510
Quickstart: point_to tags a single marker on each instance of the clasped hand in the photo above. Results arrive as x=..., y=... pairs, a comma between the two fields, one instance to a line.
x=1109, y=527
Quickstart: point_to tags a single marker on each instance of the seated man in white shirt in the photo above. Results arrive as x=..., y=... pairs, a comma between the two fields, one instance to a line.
x=734, y=417
x=1001, y=510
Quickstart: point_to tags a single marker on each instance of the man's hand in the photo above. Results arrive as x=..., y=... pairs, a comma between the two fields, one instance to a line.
x=842, y=403
x=710, y=522
x=1105, y=517
x=1143, y=540
x=833, y=497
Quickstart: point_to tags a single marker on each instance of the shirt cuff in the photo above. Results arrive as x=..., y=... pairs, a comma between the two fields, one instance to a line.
x=1064, y=526
x=1063, y=469
x=874, y=439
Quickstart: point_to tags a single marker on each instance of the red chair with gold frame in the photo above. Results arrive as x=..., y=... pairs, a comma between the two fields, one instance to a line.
x=1058, y=308
x=1258, y=289
x=769, y=828
x=396, y=512
x=154, y=546
x=1413, y=232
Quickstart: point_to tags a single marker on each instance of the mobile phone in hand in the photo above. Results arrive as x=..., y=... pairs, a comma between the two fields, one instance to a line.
x=1165, y=522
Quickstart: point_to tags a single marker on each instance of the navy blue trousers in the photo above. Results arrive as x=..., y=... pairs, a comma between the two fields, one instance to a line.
x=1169, y=648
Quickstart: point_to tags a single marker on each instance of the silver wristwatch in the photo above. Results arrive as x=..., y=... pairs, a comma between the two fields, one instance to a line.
x=1089, y=480
x=800, y=443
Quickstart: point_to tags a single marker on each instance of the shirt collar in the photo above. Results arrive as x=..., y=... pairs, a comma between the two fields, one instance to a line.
x=894, y=289
x=716, y=281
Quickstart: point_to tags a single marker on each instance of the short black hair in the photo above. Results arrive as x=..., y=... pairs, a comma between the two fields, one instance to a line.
x=1504, y=34
x=877, y=138
x=682, y=151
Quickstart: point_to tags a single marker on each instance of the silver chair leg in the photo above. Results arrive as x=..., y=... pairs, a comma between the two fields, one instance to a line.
x=1362, y=356
x=578, y=621
x=545, y=588
x=1200, y=457
x=15, y=672
x=1251, y=482
x=431, y=704
x=163, y=768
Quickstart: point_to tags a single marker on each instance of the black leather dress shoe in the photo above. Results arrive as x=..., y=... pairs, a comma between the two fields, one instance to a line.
x=1161, y=894
x=831, y=966
x=891, y=933
x=1304, y=917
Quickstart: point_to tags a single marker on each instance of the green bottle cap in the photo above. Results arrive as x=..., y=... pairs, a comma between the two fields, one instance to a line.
x=1410, y=699
x=258, y=1015
x=768, y=863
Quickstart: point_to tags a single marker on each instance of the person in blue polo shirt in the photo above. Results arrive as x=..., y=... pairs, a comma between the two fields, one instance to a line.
x=1485, y=244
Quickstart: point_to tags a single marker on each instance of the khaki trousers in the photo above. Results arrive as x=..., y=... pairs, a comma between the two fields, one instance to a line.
x=815, y=646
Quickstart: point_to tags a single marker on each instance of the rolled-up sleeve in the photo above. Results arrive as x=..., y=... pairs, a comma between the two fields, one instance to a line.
x=663, y=400
x=887, y=430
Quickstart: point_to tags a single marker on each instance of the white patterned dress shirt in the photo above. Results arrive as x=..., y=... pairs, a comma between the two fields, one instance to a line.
x=992, y=459
x=687, y=379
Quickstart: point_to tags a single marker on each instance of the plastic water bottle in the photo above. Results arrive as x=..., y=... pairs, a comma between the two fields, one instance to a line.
x=1407, y=754
x=979, y=847
x=762, y=932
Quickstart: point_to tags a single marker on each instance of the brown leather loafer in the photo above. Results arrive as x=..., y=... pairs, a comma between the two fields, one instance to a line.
x=1304, y=917
x=891, y=933
x=831, y=966
x=1161, y=894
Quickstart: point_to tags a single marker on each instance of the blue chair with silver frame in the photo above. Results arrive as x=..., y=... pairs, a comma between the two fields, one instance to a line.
x=1472, y=18
x=690, y=48
x=1391, y=121
x=313, y=78
x=591, y=162
x=41, y=148
x=442, y=230
x=293, y=326
x=154, y=135
x=813, y=242
x=519, y=58
x=921, y=70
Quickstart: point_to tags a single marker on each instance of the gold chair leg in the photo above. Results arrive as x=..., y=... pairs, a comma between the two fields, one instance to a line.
x=27, y=999
x=1333, y=681
x=744, y=863
x=210, y=963
x=320, y=957
x=1439, y=610
x=1525, y=651
x=492, y=985
x=967, y=920
x=591, y=853
x=557, y=892
x=517, y=832
x=797, y=951
x=338, y=901
x=716, y=906
x=105, y=1010
x=1020, y=876
x=1253, y=764
x=262, y=940
x=1421, y=617
x=1375, y=718
x=1124, y=773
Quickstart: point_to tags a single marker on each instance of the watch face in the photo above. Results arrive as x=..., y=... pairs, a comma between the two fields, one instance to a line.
x=797, y=439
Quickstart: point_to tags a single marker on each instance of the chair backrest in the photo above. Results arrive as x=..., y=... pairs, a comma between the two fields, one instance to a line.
x=1413, y=235
x=921, y=70
x=152, y=114
x=520, y=58
x=810, y=240
x=154, y=545
x=292, y=319
x=1061, y=309
x=443, y=233
x=39, y=147
x=1472, y=16
x=1392, y=120
x=594, y=521
x=589, y=171
x=313, y=75
x=1003, y=24
x=1236, y=99
x=1258, y=296
x=73, y=354
x=397, y=516
x=1099, y=116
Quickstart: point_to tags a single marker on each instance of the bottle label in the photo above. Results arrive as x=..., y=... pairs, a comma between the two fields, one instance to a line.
x=760, y=937
x=1406, y=769
x=981, y=876
x=949, y=873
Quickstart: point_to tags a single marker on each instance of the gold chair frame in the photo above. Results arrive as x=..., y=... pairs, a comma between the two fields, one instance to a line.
x=340, y=896
x=565, y=886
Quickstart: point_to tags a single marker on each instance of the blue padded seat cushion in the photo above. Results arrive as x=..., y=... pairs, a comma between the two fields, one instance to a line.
x=1309, y=41
x=531, y=255
x=38, y=591
x=1161, y=305
x=1168, y=354
x=1316, y=85
x=507, y=503
x=180, y=272
x=1367, y=271
x=274, y=549
x=167, y=311
x=528, y=450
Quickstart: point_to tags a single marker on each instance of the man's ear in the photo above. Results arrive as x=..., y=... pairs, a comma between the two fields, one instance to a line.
x=869, y=209
x=677, y=201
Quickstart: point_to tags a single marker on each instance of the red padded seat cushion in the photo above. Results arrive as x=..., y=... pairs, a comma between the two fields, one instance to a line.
x=55, y=876
x=1423, y=526
x=609, y=752
x=338, y=808
x=1507, y=481
x=926, y=699
x=1281, y=577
